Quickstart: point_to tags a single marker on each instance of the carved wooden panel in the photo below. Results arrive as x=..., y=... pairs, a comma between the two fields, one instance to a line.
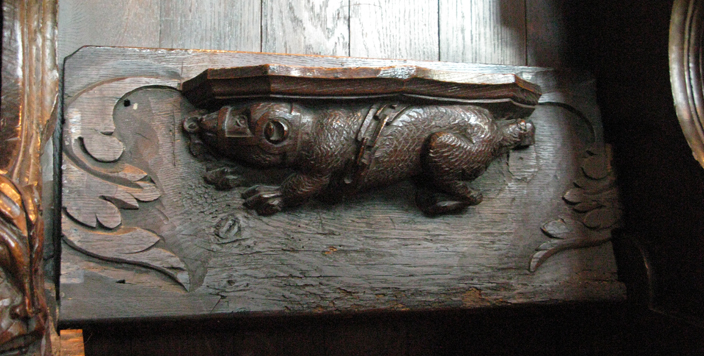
x=147, y=232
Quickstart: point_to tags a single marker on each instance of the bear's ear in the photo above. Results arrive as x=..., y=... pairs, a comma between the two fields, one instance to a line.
x=269, y=109
x=254, y=111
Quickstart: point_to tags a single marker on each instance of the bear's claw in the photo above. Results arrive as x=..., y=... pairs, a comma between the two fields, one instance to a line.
x=265, y=200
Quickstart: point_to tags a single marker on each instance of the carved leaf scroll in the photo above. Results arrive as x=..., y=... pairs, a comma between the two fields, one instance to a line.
x=89, y=117
x=97, y=183
x=594, y=201
x=95, y=200
x=126, y=245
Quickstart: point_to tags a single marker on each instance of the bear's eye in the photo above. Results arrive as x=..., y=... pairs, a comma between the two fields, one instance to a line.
x=276, y=131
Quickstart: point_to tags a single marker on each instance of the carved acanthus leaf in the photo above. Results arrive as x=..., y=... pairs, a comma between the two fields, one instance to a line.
x=97, y=183
x=563, y=228
x=92, y=200
x=595, y=205
x=126, y=245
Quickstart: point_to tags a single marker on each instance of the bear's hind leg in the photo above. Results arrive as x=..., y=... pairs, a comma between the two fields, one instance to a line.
x=444, y=160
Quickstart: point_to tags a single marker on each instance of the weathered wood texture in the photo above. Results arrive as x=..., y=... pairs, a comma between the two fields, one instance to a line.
x=372, y=252
x=514, y=32
x=624, y=43
x=393, y=29
x=104, y=22
x=210, y=24
x=481, y=31
x=306, y=27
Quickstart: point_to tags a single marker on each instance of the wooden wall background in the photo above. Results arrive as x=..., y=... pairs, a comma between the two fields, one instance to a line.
x=517, y=32
x=623, y=43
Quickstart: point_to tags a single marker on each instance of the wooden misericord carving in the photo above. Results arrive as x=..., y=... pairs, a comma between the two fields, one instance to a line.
x=29, y=98
x=161, y=149
x=393, y=130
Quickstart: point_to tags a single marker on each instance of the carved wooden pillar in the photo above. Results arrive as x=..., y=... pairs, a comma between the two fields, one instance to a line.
x=686, y=30
x=29, y=100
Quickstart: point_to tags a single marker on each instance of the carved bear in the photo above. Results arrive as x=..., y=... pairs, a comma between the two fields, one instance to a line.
x=340, y=149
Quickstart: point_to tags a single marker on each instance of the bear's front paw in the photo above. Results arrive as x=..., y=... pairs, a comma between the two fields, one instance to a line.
x=224, y=178
x=265, y=200
x=474, y=197
x=437, y=203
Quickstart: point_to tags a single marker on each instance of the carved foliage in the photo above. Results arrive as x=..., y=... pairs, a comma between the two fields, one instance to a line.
x=595, y=206
x=97, y=183
x=94, y=199
x=126, y=245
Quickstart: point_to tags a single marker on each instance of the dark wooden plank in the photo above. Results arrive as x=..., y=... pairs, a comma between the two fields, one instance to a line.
x=306, y=27
x=108, y=23
x=211, y=24
x=300, y=338
x=481, y=31
x=394, y=29
x=540, y=330
x=354, y=338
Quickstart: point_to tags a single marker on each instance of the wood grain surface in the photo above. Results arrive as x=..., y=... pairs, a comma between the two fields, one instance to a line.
x=514, y=32
x=105, y=22
x=619, y=42
x=481, y=31
x=306, y=27
x=374, y=252
x=394, y=29
x=210, y=24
